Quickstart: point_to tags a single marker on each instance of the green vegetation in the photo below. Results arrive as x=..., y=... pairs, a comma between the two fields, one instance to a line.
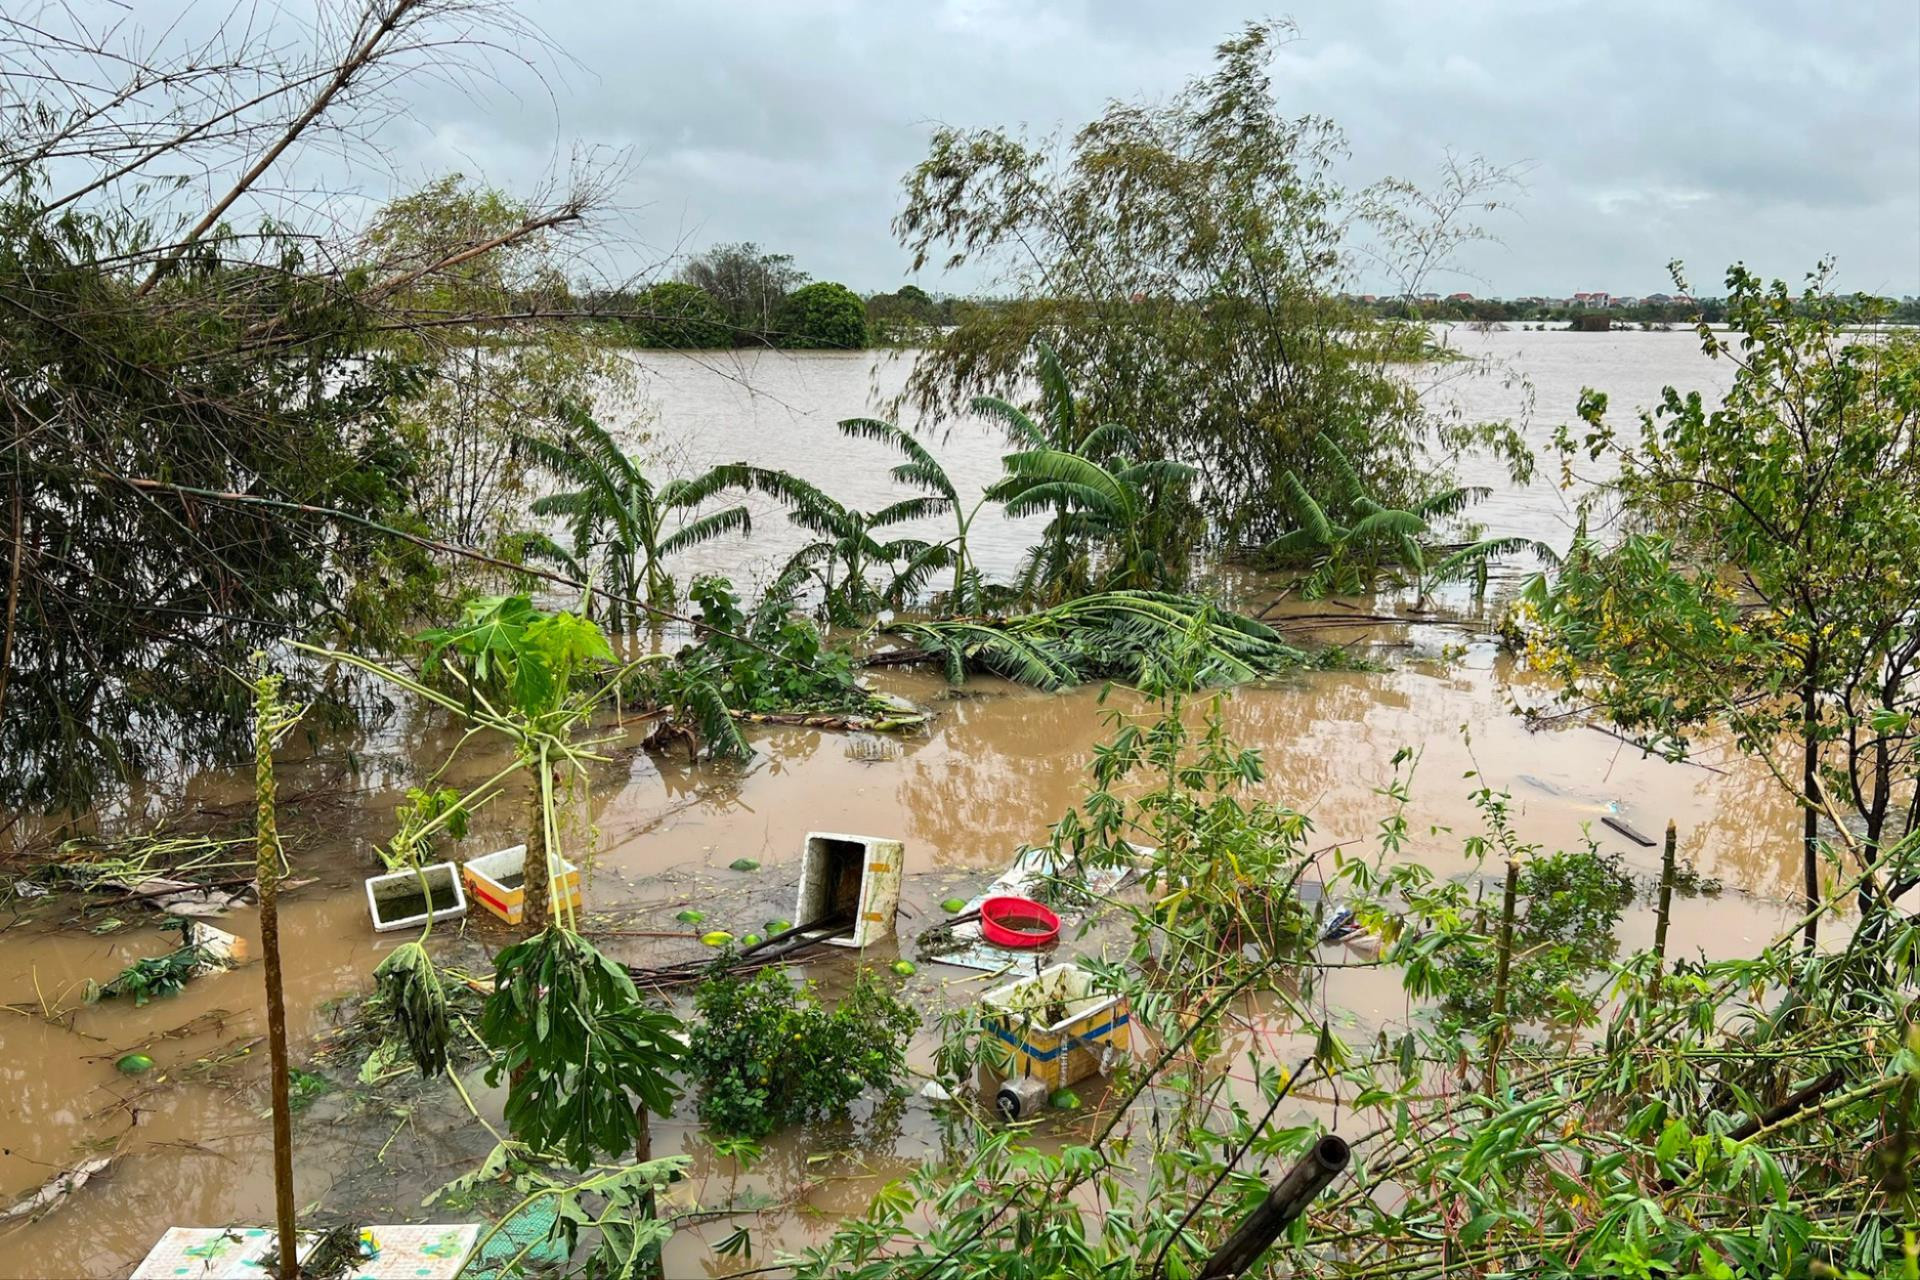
x=1186, y=259
x=621, y=525
x=162, y=975
x=233, y=437
x=1704, y=1128
x=846, y=555
x=577, y=1046
x=1350, y=542
x=1767, y=585
x=766, y=1054
x=677, y=316
x=477, y=387
x=822, y=315
x=1130, y=636
x=738, y=295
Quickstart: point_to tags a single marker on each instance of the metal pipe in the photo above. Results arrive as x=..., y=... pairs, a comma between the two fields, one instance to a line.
x=1287, y=1200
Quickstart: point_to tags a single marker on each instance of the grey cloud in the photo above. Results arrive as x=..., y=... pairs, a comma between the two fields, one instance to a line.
x=1709, y=130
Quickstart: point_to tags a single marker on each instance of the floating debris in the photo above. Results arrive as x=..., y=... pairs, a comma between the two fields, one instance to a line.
x=961, y=941
x=905, y=968
x=690, y=916
x=56, y=1189
x=1618, y=824
x=718, y=938
x=743, y=864
x=498, y=881
x=851, y=876
x=411, y=898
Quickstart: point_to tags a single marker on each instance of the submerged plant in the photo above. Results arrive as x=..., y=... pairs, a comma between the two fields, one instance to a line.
x=418, y=1003
x=164, y=975
x=1122, y=635
x=766, y=1054
x=1350, y=540
x=623, y=527
x=578, y=1048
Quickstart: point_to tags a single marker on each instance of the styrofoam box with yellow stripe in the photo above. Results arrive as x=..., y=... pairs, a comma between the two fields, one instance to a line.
x=487, y=878
x=1093, y=1031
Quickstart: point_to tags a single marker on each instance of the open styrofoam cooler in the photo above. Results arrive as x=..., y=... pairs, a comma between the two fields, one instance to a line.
x=860, y=875
x=487, y=876
x=1091, y=1035
x=384, y=890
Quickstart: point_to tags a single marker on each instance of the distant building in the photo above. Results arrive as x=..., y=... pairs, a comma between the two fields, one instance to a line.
x=1623, y=302
x=1459, y=297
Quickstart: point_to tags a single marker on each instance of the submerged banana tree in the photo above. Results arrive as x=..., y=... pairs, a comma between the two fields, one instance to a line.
x=1106, y=515
x=847, y=554
x=1115, y=514
x=1351, y=541
x=617, y=517
x=1131, y=636
x=1058, y=428
x=922, y=470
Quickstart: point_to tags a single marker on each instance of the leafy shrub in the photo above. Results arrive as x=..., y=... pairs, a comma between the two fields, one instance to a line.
x=1570, y=903
x=791, y=670
x=679, y=316
x=823, y=315
x=766, y=1054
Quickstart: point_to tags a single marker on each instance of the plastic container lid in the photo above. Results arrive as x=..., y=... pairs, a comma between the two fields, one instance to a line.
x=1017, y=922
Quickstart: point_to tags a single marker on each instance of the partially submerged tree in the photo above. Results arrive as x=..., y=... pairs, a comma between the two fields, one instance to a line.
x=848, y=563
x=822, y=316
x=621, y=525
x=749, y=284
x=486, y=383
x=1348, y=542
x=1767, y=582
x=1188, y=260
x=204, y=402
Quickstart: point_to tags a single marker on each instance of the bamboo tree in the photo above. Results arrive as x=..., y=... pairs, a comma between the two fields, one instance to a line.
x=1665, y=910
x=1502, y=973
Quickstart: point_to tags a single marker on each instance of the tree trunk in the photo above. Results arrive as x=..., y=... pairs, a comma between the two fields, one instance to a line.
x=1665, y=910
x=1502, y=973
x=650, y=1265
x=1809, y=788
x=267, y=851
x=536, y=882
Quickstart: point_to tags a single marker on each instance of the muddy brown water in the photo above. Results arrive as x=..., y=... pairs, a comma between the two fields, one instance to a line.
x=996, y=767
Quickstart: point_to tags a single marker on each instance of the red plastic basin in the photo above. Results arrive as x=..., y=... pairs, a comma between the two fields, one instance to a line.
x=1017, y=922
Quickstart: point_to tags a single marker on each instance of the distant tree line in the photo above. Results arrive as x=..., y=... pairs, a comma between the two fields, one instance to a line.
x=1591, y=319
x=739, y=295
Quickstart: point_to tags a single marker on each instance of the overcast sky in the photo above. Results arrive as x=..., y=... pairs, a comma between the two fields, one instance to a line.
x=1707, y=130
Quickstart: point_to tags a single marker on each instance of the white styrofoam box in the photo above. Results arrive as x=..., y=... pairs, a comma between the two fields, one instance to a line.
x=398, y=884
x=832, y=864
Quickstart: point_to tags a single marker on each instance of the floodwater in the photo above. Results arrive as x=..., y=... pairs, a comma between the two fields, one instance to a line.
x=996, y=767
x=779, y=409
